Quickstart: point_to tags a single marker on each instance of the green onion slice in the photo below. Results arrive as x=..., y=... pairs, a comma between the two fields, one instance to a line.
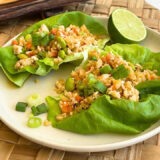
x=34, y=122
x=34, y=100
x=42, y=108
x=35, y=111
x=99, y=86
x=21, y=106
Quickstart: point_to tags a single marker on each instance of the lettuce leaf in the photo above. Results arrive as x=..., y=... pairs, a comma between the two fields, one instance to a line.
x=118, y=116
x=7, y=62
x=76, y=18
x=137, y=54
x=148, y=87
x=106, y=115
x=8, y=59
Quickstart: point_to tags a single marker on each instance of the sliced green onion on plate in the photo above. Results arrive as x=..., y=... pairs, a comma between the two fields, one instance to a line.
x=34, y=100
x=21, y=106
x=42, y=108
x=34, y=122
x=35, y=112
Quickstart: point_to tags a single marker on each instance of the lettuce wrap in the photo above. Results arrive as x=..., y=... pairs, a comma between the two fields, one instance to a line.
x=137, y=54
x=117, y=115
x=8, y=59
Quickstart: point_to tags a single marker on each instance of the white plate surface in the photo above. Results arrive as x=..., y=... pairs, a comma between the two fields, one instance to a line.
x=55, y=138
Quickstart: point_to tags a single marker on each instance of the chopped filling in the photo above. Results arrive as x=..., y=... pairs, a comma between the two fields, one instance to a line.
x=55, y=43
x=102, y=74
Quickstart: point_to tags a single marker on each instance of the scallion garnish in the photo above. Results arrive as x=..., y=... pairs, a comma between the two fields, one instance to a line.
x=93, y=58
x=35, y=111
x=21, y=106
x=120, y=72
x=106, y=69
x=42, y=108
x=34, y=100
x=99, y=86
x=34, y=122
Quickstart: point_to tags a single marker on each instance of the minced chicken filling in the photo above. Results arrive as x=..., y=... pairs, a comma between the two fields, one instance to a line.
x=110, y=75
x=55, y=43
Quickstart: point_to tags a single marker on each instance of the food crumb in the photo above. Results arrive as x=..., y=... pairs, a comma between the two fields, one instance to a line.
x=36, y=80
x=46, y=123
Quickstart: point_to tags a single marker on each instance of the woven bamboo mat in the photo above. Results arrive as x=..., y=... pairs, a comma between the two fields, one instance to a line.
x=14, y=147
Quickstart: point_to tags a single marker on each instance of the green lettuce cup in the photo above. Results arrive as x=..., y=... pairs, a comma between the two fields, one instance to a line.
x=45, y=65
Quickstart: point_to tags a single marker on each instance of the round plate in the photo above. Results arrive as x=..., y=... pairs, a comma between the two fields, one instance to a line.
x=55, y=138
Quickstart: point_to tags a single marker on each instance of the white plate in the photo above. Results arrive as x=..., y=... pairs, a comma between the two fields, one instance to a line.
x=55, y=138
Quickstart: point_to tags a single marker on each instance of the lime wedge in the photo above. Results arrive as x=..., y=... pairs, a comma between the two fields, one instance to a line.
x=125, y=27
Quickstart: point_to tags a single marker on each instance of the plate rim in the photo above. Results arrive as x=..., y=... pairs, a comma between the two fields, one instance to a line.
x=93, y=148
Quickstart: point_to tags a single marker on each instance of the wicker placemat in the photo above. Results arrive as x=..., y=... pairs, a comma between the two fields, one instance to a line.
x=14, y=147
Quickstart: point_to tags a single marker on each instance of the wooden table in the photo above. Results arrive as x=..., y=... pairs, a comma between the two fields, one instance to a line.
x=14, y=147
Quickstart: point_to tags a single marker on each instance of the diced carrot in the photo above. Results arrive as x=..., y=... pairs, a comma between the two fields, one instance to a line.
x=78, y=98
x=54, y=54
x=83, y=43
x=14, y=42
x=54, y=31
x=69, y=108
x=31, y=54
x=66, y=108
x=75, y=30
x=113, y=87
x=29, y=45
x=63, y=32
x=59, y=33
x=153, y=77
x=106, y=59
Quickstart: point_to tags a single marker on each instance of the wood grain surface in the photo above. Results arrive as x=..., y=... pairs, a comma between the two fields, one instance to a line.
x=21, y=7
x=15, y=147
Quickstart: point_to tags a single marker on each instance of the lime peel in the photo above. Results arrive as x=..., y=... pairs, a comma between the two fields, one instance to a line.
x=125, y=27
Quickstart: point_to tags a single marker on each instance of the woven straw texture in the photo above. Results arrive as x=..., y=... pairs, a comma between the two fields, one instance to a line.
x=14, y=147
